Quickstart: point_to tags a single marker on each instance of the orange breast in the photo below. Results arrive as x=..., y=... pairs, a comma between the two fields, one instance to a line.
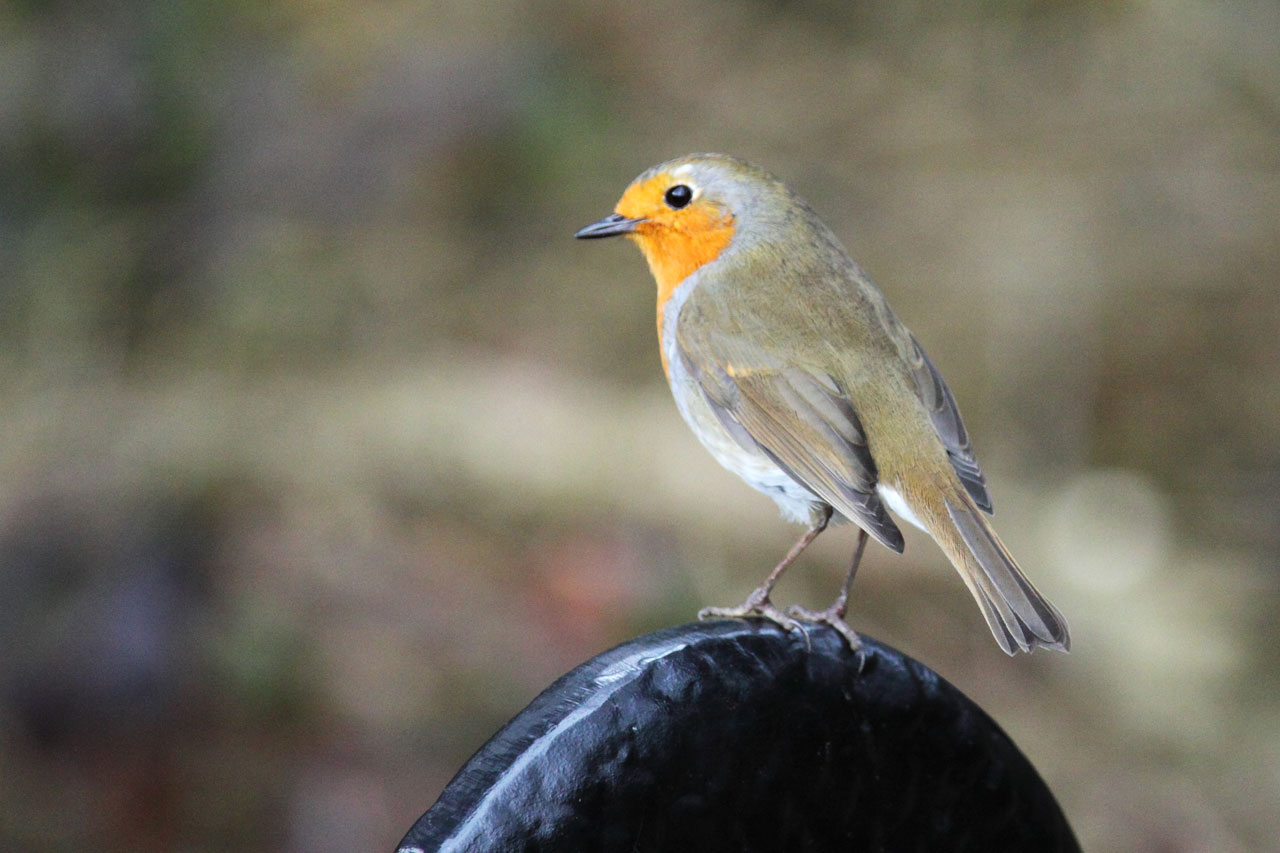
x=674, y=252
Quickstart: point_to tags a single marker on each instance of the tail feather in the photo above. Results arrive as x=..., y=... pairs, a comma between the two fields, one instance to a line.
x=1018, y=615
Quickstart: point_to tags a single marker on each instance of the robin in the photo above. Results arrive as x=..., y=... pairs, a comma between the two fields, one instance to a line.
x=791, y=368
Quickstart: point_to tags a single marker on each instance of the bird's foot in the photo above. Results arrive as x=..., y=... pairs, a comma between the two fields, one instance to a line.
x=833, y=616
x=757, y=605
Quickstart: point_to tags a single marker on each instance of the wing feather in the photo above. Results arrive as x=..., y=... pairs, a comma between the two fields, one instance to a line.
x=803, y=424
x=937, y=399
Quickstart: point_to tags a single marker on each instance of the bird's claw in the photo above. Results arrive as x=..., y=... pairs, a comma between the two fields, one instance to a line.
x=754, y=607
x=831, y=616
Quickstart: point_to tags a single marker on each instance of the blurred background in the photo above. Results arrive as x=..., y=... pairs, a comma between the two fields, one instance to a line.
x=324, y=447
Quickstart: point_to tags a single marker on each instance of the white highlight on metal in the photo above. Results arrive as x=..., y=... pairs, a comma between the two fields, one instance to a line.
x=469, y=831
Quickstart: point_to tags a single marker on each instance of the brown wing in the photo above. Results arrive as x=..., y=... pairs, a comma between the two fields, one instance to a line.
x=804, y=423
x=930, y=388
x=937, y=399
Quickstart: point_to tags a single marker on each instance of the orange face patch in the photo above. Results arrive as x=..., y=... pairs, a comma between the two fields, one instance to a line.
x=674, y=242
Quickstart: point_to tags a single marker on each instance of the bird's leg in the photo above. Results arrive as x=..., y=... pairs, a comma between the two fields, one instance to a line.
x=758, y=603
x=834, y=615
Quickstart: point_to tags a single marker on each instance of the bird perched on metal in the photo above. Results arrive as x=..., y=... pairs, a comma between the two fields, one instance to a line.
x=791, y=368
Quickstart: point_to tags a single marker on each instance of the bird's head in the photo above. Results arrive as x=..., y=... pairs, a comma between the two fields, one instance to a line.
x=685, y=212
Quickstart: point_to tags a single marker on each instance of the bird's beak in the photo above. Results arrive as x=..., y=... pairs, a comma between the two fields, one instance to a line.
x=611, y=226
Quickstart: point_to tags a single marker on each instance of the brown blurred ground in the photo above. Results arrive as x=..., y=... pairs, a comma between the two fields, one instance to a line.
x=323, y=447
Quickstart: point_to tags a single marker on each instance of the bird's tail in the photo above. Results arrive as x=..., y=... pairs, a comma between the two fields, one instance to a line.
x=1018, y=615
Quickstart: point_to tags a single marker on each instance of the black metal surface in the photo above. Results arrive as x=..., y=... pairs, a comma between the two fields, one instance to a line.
x=739, y=736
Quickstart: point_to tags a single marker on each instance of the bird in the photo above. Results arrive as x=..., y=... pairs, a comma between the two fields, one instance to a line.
x=787, y=362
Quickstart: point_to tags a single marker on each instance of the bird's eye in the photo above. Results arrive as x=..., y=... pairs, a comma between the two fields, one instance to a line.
x=678, y=196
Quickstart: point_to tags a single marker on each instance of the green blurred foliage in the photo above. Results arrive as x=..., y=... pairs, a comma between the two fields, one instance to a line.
x=325, y=447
